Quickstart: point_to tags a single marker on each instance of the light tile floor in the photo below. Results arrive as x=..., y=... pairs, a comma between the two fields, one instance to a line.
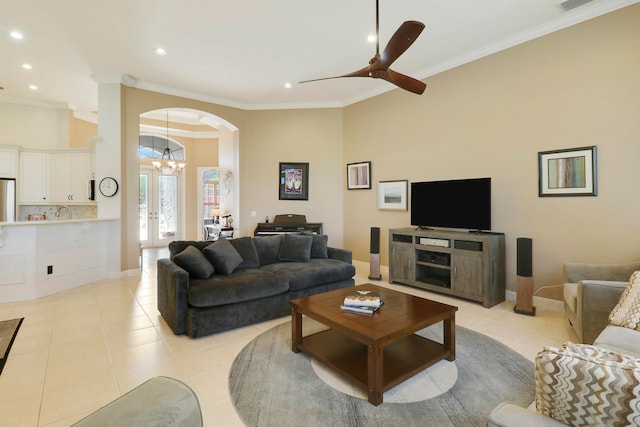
x=78, y=350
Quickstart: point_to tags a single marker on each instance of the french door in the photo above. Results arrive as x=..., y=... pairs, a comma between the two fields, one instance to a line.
x=159, y=209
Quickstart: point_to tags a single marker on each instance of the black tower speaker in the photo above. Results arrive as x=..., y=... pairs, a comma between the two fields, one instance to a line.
x=375, y=240
x=374, y=256
x=524, y=279
x=525, y=257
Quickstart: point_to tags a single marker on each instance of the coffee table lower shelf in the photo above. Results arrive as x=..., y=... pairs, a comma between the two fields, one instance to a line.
x=401, y=359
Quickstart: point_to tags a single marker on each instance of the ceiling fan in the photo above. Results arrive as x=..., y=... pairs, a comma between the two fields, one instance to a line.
x=378, y=67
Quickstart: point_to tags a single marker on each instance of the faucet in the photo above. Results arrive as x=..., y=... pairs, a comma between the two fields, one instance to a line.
x=63, y=207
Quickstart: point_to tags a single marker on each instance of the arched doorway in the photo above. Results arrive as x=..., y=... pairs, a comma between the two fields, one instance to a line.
x=199, y=140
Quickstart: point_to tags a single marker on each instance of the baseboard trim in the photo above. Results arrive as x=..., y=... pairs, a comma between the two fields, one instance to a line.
x=510, y=296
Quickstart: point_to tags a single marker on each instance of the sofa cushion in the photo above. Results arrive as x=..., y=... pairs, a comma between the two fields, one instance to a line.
x=627, y=312
x=242, y=285
x=295, y=247
x=319, y=246
x=223, y=256
x=577, y=387
x=247, y=250
x=193, y=261
x=268, y=248
x=302, y=275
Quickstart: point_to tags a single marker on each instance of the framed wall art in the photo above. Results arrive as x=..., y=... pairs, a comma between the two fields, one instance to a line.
x=359, y=176
x=392, y=195
x=294, y=181
x=568, y=172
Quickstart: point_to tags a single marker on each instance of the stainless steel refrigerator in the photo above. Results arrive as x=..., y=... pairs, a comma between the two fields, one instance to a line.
x=7, y=199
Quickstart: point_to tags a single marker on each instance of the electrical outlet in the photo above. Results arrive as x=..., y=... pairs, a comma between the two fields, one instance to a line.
x=49, y=269
x=254, y=213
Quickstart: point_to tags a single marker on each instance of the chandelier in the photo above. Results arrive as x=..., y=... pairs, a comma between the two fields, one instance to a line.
x=167, y=163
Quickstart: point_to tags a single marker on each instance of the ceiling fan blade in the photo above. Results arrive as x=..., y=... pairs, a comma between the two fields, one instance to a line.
x=363, y=72
x=405, y=82
x=401, y=40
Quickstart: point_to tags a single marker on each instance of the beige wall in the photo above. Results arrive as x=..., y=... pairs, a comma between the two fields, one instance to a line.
x=81, y=132
x=574, y=88
x=34, y=126
x=308, y=136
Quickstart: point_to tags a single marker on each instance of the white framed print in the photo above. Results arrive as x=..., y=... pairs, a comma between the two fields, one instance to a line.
x=392, y=195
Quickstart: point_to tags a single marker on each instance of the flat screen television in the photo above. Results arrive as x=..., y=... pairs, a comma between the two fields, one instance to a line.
x=461, y=203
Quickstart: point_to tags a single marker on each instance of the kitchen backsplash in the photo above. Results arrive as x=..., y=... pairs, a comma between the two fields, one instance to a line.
x=49, y=212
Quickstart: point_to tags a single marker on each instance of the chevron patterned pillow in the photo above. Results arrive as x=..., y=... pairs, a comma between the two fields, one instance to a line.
x=627, y=312
x=578, y=389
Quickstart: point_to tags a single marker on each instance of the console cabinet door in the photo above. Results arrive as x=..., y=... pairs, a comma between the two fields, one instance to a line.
x=467, y=274
x=401, y=265
x=32, y=182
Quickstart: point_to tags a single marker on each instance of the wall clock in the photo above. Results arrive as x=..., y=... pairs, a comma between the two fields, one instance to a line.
x=108, y=186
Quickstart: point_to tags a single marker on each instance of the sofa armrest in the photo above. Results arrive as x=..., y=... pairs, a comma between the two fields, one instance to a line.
x=575, y=272
x=507, y=414
x=159, y=401
x=596, y=299
x=173, y=286
x=340, y=254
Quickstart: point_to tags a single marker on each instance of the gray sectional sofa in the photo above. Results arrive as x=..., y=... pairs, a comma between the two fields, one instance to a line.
x=207, y=287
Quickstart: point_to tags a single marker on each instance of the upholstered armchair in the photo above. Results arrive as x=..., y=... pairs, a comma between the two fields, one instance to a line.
x=590, y=293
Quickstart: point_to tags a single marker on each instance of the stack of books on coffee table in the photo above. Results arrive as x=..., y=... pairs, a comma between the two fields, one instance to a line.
x=362, y=302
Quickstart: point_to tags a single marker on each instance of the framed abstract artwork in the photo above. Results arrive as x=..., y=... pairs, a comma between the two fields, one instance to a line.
x=392, y=195
x=359, y=176
x=294, y=181
x=568, y=172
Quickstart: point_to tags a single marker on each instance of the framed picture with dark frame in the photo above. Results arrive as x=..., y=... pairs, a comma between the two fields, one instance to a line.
x=392, y=195
x=568, y=172
x=359, y=176
x=294, y=181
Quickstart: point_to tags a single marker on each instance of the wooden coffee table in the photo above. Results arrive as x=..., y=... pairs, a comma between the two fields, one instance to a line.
x=375, y=352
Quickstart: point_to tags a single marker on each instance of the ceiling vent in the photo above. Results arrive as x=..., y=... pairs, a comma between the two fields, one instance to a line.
x=572, y=4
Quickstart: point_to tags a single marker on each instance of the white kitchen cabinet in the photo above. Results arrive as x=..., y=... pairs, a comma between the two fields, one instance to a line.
x=8, y=162
x=32, y=178
x=69, y=176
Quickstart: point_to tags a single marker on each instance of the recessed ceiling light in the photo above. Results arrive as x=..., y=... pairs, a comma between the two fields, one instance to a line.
x=27, y=66
x=33, y=87
x=288, y=86
x=17, y=35
x=160, y=51
x=371, y=38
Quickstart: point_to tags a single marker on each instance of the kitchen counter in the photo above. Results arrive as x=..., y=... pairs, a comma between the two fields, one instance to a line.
x=39, y=258
x=54, y=221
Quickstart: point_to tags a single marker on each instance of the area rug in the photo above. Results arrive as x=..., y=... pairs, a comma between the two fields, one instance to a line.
x=8, y=332
x=272, y=386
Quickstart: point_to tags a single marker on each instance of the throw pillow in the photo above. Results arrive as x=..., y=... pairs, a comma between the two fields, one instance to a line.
x=319, y=246
x=247, y=250
x=295, y=247
x=268, y=248
x=627, y=312
x=580, y=390
x=223, y=256
x=193, y=261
